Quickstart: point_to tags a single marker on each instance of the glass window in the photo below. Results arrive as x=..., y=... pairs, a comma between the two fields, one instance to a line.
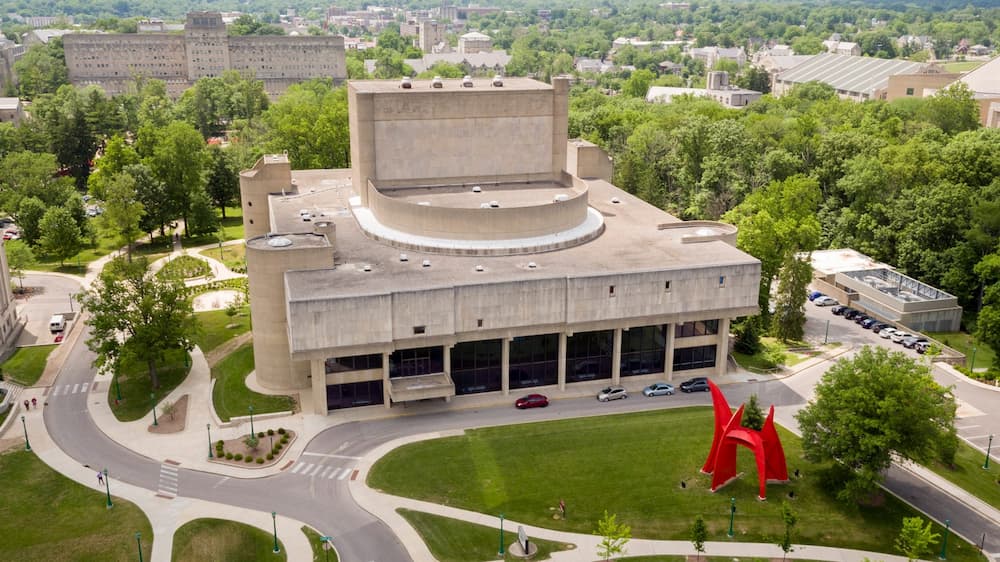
x=350, y=395
x=353, y=363
x=697, y=328
x=476, y=366
x=694, y=357
x=643, y=349
x=588, y=355
x=418, y=361
x=534, y=361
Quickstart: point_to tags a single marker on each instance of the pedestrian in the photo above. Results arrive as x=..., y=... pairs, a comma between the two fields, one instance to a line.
x=34, y=403
x=26, y=404
x=562, y=508
x=100, y=478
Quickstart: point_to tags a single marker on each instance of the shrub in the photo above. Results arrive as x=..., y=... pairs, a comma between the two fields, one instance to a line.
x=260, y=460
x=270, y=456
x=220, y=443
x=284, y=439
x=251, y=441
x=260, y=434
x=249, y=458
x=238, y=457
x=270, y=432
x=281, y=431
x=278, y=447
x=229, y=456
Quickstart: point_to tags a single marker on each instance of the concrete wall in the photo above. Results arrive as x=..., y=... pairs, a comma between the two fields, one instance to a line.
x=271, y=174
x=585, y=159
x=207, y=45
x=900, y=83
x=121, y=56
x=288, y=57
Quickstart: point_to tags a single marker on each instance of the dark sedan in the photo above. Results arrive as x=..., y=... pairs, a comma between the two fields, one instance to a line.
x=532, y=401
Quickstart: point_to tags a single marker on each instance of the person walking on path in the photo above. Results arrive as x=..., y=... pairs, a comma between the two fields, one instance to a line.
x=27, y=405
x=100, y=478
x=34, y=403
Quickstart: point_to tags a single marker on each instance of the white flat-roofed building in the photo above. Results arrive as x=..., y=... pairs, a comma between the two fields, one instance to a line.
x=472, y=251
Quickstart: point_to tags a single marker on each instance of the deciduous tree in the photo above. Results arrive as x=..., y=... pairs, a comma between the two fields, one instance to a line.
x=699, y=534
x=915, y=538
x=614, y=536
x=60, y=235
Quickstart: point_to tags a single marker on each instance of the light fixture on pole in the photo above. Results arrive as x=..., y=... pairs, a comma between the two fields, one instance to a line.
x=107, y=488
x=208, y=427
x=251, y=418
x=944, y=543
x=152, y=398
x=732, y=514
x=27, y=444
x=500, y=552
x=274, y=521
x=327, y=545
x=138, y=542
x=986, y=465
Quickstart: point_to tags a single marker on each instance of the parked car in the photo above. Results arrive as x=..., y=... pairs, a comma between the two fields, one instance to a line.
x=531, y=401
x=867, y=323
x=851, y=313
x=839, y=310
x=813, y=295
x=612, y=393
x=825, y=301
x=912, y=341
x=658, y=389
x=861, y=318
x=922, y=346
x=697, y=384
x=878, y=327
x=899, y=336
x=886, y=333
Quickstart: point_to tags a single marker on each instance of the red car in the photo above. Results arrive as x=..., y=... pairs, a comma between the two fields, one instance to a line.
x=532, y=401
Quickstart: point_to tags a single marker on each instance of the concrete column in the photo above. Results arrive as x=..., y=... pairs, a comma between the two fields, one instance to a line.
x=318, y=371
x=722, y=347
x=616, y=357
x=668, y=359
x=447, y=366
x=505, y=366
x=385, y=380
x=562, y=360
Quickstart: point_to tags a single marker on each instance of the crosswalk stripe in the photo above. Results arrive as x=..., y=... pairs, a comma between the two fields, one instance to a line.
x=83, y=388
x=298, y=467
x=334, y=473
x=325, y=471
x=344, y=475
x=75, y=388
x=314, y=472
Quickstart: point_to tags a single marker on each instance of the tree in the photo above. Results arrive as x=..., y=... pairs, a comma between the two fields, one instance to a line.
x=179, y=162
x=71, y=135
x=614, y=536
x=117, y=155
x=699, y=534
x=753, y=417
x=42, y=69
x=29, y=214
x=915, y=539
x=152, y=193
x=223, y=183
x=168, y=408
x=638, y=84
x=952, y=109
x=60, y=235
x=201, y=219
x=789, y=308
x=19, y=258
x=122, y=210
x=789, y=518
x=32, y=174
x=310, y=122
x=871, y=408
x=135, y=314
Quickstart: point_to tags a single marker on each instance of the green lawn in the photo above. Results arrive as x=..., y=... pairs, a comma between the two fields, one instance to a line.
x=26, y=365
x=968, y=473
x=136, y=386
x=524, y=470
x=46, y=516
x=962, y=66
x=185, y=267
x=232, y=256
x=215, y=327
x=451, y=540
x=219, y=539
x=232, y=227
x=319, y=555
x=231, y=396
x=961, y=341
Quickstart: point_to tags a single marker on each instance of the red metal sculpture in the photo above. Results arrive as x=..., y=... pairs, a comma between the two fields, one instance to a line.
x=765, y=444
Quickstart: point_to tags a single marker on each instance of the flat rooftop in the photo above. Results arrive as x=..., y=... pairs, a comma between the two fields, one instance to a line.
x=449, y=84
x=635, y=239
x=899, y=286
x=829, y=262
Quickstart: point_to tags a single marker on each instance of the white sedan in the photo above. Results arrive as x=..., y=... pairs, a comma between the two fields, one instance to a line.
x=825, y=301
x=899, y=336
x=886, y=333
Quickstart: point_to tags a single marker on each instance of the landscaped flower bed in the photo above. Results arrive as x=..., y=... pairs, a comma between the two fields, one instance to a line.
x=257, y=451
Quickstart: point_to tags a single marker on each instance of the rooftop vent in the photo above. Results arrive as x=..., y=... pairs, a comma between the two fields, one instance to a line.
x=560, y=197
x=476, y=189
x=532, y=265
x=616, y=200
x=484, y=205
x=424, y=203
x=494, y=204
x=480, y=268
x=366, y=267
x=279, y=242
x=426, y=263
x=437, y=82
x=404, y=257
x=467, y=81
x=498, y=81
x=406, y=83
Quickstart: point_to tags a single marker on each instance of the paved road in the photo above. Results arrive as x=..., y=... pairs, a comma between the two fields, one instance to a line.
x=320, y=498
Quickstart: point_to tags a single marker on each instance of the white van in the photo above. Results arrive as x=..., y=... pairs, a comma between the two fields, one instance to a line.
x=57, y=323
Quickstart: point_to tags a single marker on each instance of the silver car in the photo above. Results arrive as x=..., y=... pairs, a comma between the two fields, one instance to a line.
x=658, y=389
x=612, y=393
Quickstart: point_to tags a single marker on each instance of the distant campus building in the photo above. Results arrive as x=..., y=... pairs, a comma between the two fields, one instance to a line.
x=112, y=60
x=472, y=251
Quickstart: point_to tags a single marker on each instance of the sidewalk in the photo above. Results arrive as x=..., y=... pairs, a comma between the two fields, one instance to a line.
x=165, y=515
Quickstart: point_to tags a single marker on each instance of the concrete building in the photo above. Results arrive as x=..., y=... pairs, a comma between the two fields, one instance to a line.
x=473, y=250
x=856, y=78
x=462, y=13
x=112, y=60
x=482, y=64
x=712, y=55
x=860, y=282
x=10, y=53
x=11, y=110
x=474, y=42
x=984, y=81
x=845, y=48
x=718, y=89
x=919, y=84
x=431, y=34
x=9, y=325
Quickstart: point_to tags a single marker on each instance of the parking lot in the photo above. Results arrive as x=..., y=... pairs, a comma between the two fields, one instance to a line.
x=824, y=326
x=49, y=295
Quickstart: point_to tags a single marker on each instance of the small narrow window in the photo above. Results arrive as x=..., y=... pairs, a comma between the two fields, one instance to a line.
x=722, y=281
x=249, y=203
x=479, y=323
x=666, y=286
x=909, y=91
x=611, y=290
x=251, y=221
x=419, y=329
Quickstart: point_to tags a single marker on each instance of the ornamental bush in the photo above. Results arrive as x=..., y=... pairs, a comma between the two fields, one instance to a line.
x=260, y=460
x=238, y=457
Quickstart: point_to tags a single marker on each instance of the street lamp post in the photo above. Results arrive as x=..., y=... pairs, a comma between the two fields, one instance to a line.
x=152, y=398
x=208, y=427
x=972, y=365
x=251, y=418
x=138, y=542
x=118, y=388
x=732, y=514
x=986, y=465
x=107, y=488
x=500, y=552
x=326, y=547
x=274, y=520
x=27, y=444
x=944, y=544
x=71, y=303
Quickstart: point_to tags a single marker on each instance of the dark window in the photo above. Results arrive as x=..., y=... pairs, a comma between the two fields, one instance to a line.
x=666, y=285
x=722, y=280
x=413, y=362
x=479, y=323
x=249, y=203
x=476, y=366
x=588, y=355
x=353, y=363
x=694, y=357
x=697, y=328
x=909, y=91
x=419, y=329
x=611, y=290
x=534, y=361
x=643, y=349
x=350, y=395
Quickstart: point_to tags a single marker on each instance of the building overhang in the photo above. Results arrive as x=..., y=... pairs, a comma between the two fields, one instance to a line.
x=421, y=387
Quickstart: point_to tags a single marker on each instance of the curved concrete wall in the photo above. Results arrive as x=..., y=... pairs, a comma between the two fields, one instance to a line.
x=501, y=223
x=271, y=174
